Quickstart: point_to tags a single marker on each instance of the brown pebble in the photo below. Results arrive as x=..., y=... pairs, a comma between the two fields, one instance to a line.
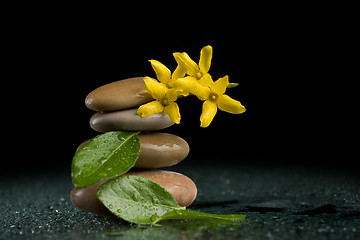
x=85, y=199
x=180, y=186
x=123, y=94
x=159, y=150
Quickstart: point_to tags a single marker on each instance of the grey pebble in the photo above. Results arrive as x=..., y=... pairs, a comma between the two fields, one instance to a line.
x=128, y=120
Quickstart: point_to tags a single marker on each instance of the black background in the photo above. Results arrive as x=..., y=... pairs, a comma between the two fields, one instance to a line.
x=280, y=53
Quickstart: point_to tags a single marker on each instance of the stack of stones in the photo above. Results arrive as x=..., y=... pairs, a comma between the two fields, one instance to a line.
x=116, y=105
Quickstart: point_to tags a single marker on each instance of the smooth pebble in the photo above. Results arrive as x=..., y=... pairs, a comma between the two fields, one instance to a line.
x=159, y=150
x=180, y=186
x=129, y=120
x=123, y=94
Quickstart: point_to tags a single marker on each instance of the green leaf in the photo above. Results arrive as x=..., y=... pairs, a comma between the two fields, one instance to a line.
x=142, y=201
x=136, y=199
x=189, y=214
x=106, y=155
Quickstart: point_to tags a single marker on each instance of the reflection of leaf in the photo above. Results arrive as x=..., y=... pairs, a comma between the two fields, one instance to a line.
x=184, y=229
x=140, y=200
x=113, y=234
x=106, y=155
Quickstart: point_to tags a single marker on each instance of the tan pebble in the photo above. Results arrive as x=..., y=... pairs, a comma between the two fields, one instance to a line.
x=123, y=94
x=180, y=186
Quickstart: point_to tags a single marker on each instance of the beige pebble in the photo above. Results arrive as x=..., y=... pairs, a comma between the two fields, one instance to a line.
x=129, y=120
x=159, y=150
x=123, y=94
x=180, y=186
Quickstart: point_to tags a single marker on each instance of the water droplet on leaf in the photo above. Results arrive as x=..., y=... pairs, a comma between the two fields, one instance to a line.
x=154, y=217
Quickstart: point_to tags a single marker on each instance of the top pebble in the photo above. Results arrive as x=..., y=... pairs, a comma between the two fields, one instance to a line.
x=123, y=94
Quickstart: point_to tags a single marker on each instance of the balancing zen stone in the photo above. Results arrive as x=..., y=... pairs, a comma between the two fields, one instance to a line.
x=128, y=120
x=180, y=186
x=159, y=150
x=123, y=94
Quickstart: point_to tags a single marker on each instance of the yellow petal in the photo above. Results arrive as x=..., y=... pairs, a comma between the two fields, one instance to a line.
x=200, y=91
x=206, y=80
x=163, y=74
x=220, y=85
x=179, y=72
x=173, y=111
x=150, y=109
x=155, y=89
x=183, y=58
x=171, y=95
x=208, y=113
x=184, y=85
x=205, y=58
x=227, y=104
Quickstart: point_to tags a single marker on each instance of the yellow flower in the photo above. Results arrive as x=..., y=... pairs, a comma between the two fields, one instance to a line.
x=164, y=100
x=163, y=74
x=199, y=83
x=192, y=69
x=214, y=97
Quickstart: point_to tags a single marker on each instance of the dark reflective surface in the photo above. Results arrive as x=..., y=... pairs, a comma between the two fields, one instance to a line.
x=280, y=202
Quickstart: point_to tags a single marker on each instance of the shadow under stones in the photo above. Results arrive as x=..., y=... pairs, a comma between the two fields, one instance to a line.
x=328, y=208
x=214, y=204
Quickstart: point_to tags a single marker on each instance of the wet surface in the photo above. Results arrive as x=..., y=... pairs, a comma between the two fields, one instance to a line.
x=280, y=203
